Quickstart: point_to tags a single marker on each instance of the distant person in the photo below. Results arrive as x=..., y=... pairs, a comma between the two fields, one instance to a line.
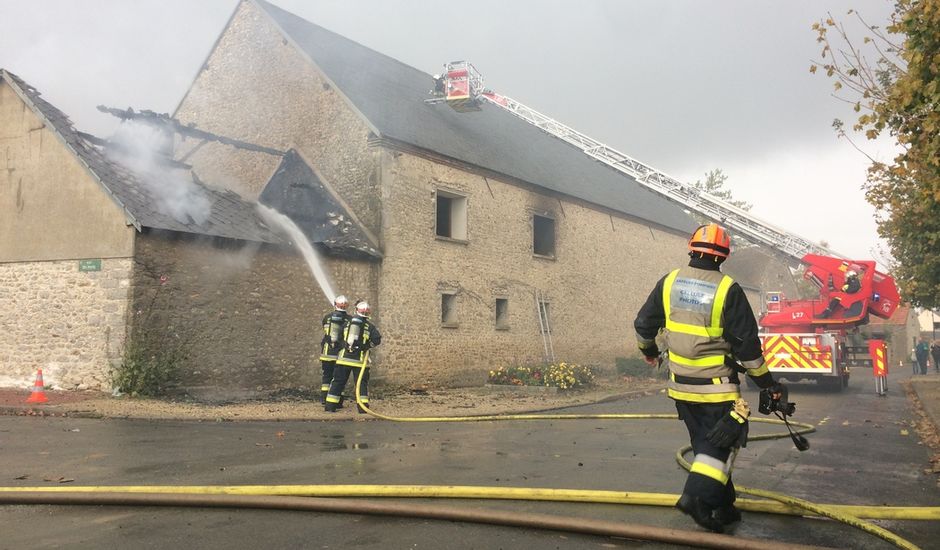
x=851, y=286
x=438, y=85
x=921, y=353
x=935, y=354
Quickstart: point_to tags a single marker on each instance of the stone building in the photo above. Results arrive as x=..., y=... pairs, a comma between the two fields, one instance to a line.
x=479, y=239
x=101, y=264
x=488, y=227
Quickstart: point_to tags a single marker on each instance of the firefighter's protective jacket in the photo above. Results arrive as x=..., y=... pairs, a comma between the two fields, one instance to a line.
x=359, y=337
x=333, y=326
x=708, y=322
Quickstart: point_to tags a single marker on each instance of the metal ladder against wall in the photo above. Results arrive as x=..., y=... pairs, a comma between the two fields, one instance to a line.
x=541, y=310
x=743, y=222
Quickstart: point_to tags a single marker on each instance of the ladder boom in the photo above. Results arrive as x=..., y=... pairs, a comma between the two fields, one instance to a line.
x=742, y=222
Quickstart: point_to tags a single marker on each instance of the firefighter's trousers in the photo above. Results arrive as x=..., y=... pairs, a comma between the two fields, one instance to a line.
x=710, y=476
x=341, y=376
x=327, y=379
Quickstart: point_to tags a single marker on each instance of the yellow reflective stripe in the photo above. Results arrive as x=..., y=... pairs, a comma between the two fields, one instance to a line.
x=667, y=292
x=759, y=371
x=346, y=362
x=332, y=399
x=708, y=361
x=694, y=330
x=703, y=397
x=709, y=471
x=719, y=304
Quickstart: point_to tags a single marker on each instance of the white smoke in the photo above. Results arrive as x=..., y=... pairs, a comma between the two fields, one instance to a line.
x=145, y=150
x=297, y=237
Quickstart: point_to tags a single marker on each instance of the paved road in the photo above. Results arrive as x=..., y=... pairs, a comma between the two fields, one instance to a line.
x=859, y=456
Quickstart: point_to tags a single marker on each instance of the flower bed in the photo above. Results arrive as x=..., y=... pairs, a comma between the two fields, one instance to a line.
x=562, y=375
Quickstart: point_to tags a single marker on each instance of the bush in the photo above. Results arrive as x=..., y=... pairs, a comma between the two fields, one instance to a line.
x=562, y=375
x=638, y=368
x=148, y=372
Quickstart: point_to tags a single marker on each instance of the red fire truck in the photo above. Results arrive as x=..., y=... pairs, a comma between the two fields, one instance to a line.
x=807, y=339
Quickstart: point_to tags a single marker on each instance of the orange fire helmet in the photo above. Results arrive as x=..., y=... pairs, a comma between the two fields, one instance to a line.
x=711, y=239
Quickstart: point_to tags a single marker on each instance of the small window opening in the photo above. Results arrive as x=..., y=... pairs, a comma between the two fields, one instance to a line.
x=449, y=310
x=543, y=236
x=451, y=216
x=502, y=313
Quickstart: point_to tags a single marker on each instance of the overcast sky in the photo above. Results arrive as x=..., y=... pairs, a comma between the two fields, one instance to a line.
x=686, y=86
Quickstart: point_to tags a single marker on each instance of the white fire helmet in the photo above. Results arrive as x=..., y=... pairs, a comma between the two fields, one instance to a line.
x=340, y=302
x=851, y=275
x=362, y=308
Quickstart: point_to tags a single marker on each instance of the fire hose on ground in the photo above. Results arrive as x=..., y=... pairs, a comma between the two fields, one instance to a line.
x=295, y=497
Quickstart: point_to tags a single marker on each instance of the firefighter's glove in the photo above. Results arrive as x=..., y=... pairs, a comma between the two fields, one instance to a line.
x=731, y=430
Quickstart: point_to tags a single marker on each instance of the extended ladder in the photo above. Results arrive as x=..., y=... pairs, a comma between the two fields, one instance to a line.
x=742, y=222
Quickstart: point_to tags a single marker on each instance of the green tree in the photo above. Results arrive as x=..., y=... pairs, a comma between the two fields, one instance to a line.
x=892, y=80
x=714, y=185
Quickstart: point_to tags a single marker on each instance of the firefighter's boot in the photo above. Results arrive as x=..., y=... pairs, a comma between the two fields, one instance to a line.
x=700, y=512
x=331, y=407
x=727, y=514
x=360, y=409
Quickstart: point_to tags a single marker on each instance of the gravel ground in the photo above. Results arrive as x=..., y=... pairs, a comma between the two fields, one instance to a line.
x=416, y=402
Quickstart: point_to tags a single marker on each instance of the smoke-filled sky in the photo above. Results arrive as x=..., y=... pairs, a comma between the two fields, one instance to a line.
x=685, y=86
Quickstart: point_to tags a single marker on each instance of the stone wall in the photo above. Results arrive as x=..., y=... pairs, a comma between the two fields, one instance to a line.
x=69, y=323
x=50, y=207
x=257, y=87
x=603, y=269
x=53, y=213
x=248, y=314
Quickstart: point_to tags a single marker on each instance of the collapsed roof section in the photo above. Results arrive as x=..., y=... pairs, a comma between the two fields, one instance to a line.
x=390, y=95
x=144, y=199
x=297, y=191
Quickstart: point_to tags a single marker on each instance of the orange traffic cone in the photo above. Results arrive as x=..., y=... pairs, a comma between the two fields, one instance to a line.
x=39, y=392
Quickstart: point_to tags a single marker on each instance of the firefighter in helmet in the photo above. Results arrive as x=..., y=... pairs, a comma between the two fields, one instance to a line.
x=360, y=336
x=851, y=286
x=334, y=323
x=711, y=336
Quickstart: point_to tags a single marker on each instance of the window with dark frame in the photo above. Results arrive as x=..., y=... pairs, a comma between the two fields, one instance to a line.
x=451, y=218
x=543, y=236
x=449, y=310
x=502, y=313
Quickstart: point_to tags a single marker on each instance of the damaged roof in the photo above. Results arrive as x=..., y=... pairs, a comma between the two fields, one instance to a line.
x=297, y=191
x=390, y=96
x=228, y=215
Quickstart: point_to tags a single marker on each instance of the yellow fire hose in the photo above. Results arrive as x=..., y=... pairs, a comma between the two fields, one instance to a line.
x=779, y=503
x=818, y=509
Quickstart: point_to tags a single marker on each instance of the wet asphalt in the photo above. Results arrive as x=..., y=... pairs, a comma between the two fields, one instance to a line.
x=865, y=452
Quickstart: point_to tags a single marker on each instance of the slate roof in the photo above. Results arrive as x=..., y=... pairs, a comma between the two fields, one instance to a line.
x=390, y=95
x=297, y=191
x=229, y=216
